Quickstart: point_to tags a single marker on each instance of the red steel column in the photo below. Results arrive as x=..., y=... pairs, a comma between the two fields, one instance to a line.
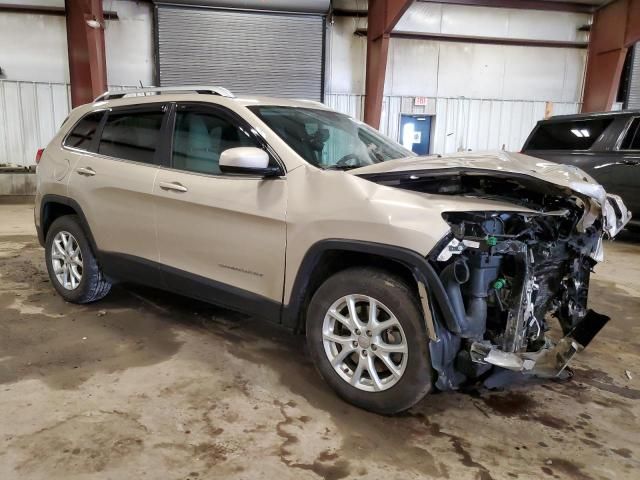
x=615, y=28
x=85, y=44
x=383, y=15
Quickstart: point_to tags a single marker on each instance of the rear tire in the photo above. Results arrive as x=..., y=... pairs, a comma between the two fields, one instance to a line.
x=399, y=355
x=72, y=265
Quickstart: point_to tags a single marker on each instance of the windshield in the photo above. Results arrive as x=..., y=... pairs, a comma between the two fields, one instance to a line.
x=329, y=139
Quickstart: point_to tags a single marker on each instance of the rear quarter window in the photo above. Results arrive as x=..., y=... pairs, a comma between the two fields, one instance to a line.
x=570, y=135
x=82, y=135
x=631, y=139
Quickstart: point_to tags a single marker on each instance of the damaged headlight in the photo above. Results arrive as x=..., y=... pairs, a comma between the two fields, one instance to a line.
x=476, y=230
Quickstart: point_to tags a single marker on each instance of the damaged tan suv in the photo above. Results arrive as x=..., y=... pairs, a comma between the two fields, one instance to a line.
x=406, y=273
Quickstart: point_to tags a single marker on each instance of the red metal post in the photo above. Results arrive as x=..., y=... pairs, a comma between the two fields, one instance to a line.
x=615, y=28
x=383, y=15
x=85, y=44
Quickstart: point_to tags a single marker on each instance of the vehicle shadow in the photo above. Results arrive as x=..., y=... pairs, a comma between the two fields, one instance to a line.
x=263, y=343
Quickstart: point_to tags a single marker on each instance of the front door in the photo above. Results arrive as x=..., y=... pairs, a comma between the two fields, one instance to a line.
x=221, y=237
x=415, y=133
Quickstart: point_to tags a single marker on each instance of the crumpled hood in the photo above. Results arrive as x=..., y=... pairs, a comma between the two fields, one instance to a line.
x=567, y=176
x=563, y=175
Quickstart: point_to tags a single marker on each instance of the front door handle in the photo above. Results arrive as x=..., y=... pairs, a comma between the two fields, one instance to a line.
x=87, y=171
x=175, y=186
x=629, y=161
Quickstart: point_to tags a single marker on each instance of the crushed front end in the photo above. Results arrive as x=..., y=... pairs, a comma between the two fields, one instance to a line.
x=506, y=275
x=503, y=278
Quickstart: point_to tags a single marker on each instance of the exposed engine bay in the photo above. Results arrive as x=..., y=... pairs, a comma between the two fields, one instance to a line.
x=505, y=277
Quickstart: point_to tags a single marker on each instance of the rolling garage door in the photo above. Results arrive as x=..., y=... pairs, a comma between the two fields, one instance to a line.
x=248, y=52
x=633, y=100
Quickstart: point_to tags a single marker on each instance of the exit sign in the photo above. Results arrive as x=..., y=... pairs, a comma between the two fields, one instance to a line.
x=420, y=101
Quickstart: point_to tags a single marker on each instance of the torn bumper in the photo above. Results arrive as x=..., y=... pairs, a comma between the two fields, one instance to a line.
x=616, y=215
x=549, y=361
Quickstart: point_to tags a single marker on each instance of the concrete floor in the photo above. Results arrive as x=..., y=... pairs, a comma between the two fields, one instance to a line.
x=149, y=385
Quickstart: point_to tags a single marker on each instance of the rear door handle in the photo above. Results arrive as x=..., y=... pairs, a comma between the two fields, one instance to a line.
x=629, y=161
x=88, y=171
x=175, y=186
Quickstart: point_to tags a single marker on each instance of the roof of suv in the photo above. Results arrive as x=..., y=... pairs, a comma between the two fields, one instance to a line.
x=197, y=94
x=592, y=115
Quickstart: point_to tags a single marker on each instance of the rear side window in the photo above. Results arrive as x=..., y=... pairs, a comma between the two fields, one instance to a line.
x=82, y=135
x=632, y=138
x=571, y=135
x=132, y=135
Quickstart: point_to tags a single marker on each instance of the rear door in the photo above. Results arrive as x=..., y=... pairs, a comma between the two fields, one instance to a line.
x=114, y=188
x=221, y=237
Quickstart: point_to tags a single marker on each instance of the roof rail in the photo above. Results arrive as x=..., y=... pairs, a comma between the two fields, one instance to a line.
x=210, y=90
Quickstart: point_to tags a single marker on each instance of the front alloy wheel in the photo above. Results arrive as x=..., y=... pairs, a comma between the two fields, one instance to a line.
x=365, y=343
x=367, y=338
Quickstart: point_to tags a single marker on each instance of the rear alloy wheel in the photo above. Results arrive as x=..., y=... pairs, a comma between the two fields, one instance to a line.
x=72, y=266
x=66, y=259
x=366, y=334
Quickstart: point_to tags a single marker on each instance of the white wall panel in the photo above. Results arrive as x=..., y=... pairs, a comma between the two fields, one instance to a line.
x=460, y=123
x=451, y=69
x=34, y=46
x=422, y=57
x=346, y=57
x=475, y=21
x=421, y=17
x=129, y=44
x=470, y=70
x=493, y=22
x=545, y=25
x=538, y=73
x=575, y=65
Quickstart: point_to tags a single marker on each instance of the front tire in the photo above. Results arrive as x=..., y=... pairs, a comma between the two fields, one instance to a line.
x=72, y=266
x=367, y=338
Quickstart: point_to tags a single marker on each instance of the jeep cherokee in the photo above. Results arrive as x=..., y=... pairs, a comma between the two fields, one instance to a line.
x=406, y=273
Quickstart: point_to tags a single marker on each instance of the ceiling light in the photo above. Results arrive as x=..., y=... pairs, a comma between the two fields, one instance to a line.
x=93, y=23
x=577, y=132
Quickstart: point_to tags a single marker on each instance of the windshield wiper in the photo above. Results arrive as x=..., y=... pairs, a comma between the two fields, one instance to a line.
x=342, y=167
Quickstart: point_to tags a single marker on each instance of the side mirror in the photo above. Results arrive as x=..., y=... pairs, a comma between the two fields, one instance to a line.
x=248, y=161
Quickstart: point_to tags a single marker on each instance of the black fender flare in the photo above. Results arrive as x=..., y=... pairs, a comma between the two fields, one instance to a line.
x=416, y=263
x=69, y=202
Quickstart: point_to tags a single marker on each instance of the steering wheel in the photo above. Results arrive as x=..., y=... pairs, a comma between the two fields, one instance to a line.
x=345, y=161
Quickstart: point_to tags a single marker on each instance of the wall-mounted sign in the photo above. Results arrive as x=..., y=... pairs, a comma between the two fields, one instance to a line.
x=420, y=101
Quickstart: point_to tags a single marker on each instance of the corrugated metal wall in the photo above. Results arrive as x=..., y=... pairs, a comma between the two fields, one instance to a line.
x=30, y=115
x=460, y=123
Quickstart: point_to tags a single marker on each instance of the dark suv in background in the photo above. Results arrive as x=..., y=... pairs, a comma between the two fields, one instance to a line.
x=605, y=145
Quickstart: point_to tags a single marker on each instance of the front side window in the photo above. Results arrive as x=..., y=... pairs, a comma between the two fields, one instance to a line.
x=200, y=138
x=329, y=139
x=82, y=135
x=569, y=135
x=631, y=139
x=132, y=135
